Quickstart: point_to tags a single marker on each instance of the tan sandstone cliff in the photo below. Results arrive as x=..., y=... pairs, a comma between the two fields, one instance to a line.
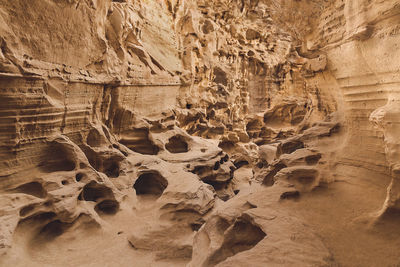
x=199, y=133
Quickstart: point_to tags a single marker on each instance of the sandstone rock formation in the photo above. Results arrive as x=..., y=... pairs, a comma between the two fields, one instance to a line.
x=199, y=133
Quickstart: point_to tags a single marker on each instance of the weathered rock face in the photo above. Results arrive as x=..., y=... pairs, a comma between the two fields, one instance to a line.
x=360, y=39
x=198, y=133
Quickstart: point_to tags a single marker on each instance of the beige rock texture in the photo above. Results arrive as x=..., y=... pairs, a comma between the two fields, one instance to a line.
x=199, y=133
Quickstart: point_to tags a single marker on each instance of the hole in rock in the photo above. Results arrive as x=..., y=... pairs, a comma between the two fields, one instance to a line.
x=35, y=219
x=33, y=188
x=250, y=53
x=262, y=164
x=216, y=165
x=111, y=169
x=219, y=188
x=57, y=157
x=241, y=163
x=107, y=207
x=220, y=76
x=253, y=129
x=269, y=178
x=196, y=225
x=52, y=230
x=79, y=176
x=226, y=146
x=313, y=159
x=289, y=146
x=94, y=191
x=151, y=184
x=207, y=27
x=94, y=160
x=41, y=217
x=158, y=128
x=140, y=142
x=103, y=163
x=64, y=182
x=188, y=106
x=26, y=210
x=177, y=144
x=242, y=236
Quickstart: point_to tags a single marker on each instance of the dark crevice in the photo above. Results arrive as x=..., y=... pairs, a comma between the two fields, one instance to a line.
x=53, y=229
x=111, y=169
x=241, y=163
x=177, y=144
x=107, y=206
x=216, y=165
x=79, y=176
x=26, y=210
x=313, y=159
x=269, y=178
x=94, y=191
x=57, y=157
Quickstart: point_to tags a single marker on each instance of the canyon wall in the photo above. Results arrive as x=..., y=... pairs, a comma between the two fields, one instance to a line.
x=177, y=131
x=360, y=39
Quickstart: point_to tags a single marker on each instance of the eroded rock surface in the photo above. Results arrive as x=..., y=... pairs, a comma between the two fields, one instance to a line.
x=199, y=133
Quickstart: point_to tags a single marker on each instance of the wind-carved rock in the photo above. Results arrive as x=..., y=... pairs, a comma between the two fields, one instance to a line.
x=356, y=20
x=386, y=119
x=198, y=133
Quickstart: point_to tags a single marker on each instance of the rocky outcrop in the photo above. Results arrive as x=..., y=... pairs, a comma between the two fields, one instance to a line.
x=247, y=233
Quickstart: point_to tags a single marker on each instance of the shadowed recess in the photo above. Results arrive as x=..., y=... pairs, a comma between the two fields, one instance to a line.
x=177, y=144
x=150, y=183
x=243, y=235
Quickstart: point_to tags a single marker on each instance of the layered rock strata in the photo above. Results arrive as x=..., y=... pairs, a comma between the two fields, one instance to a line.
x=194, y=132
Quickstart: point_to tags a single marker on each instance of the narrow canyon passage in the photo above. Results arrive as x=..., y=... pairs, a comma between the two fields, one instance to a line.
x=200, y=133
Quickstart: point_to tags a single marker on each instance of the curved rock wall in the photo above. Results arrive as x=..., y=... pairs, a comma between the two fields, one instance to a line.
x=360, y=39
